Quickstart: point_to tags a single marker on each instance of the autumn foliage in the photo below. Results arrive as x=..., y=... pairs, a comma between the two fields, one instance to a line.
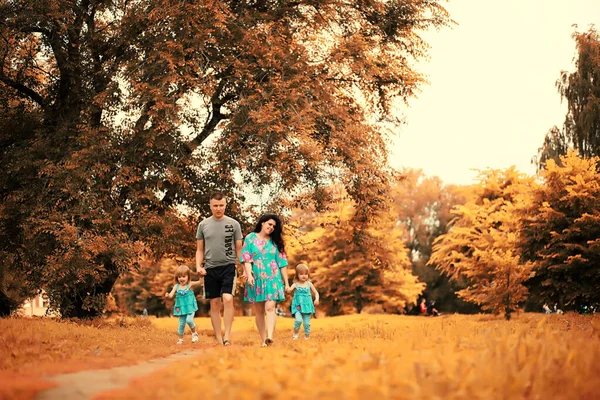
x=119, y=118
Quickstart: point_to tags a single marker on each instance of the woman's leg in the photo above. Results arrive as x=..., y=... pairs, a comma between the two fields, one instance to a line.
x=259, y=317
x=271, y=318
x=306, y=323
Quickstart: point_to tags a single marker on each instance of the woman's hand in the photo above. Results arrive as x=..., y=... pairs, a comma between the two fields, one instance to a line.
x=250, y=280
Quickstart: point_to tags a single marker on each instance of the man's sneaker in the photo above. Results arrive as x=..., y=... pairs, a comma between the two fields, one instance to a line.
x=295, y=337
x=194, y=337
x=180, y=341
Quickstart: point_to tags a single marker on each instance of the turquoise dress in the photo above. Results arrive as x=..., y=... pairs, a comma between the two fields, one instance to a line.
x=302, y=301
x=266, y=261
x=185, y=301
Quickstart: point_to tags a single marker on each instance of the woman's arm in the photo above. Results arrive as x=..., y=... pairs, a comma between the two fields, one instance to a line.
x=314, y=290
x=248, y=273
x=171, y=294
x=284, y=275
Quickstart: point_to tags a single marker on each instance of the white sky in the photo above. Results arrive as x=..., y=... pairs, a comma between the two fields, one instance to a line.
x=492, y=95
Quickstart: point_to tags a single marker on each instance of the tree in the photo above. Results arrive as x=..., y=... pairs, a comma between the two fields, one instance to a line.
x=581, y=90
x=481, y=245
x=561, y=233
x=139, y=109
x=422, y=206
x=355, y=269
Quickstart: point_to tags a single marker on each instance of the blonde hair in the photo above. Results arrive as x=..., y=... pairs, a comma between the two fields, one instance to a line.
x=303, y=267
x=183, y=270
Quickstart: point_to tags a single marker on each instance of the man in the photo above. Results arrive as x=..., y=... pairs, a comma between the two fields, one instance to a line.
x=218, y=246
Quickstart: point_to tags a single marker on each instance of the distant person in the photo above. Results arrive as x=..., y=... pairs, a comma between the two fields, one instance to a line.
x=431, y=310
x=423, y=306
x=546, y=309
x=218, y=245
x=145, y=313
x=185, y=301
x=557, y=310
x=303, y=306
x=265, y=269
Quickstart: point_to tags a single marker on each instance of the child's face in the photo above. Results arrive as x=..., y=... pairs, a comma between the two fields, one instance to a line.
x=303, y=276
x=182, y=279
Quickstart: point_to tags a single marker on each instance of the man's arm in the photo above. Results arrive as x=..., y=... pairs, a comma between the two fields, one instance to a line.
x=200, y=257
x=238, y=255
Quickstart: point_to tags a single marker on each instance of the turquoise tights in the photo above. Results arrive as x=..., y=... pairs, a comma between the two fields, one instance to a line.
x=183, y=319
x=304, y=319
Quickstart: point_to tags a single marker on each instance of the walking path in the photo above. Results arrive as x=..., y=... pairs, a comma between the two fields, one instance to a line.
x=87, y=384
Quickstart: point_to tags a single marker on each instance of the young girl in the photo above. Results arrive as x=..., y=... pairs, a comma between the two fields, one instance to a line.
x=185, y=301
x=302, y=303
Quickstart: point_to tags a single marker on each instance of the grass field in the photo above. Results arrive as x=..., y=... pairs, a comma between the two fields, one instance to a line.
x=352, y=357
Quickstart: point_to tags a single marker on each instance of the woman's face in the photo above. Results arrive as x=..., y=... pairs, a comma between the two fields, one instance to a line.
x=268, y=227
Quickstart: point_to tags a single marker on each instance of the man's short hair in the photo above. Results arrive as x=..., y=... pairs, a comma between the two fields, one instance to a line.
x=217, y=196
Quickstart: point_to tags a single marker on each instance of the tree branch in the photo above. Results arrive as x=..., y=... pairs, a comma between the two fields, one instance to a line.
x=23, y=90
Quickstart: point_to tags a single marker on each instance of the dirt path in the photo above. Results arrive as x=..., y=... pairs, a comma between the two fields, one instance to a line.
x=87, y=384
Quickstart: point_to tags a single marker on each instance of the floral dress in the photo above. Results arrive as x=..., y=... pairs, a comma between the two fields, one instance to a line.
x=266, y=261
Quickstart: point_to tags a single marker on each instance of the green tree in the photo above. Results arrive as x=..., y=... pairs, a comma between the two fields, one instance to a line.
x=139, y=109
x=561, y=233
x=581, y=90
x=481, y=245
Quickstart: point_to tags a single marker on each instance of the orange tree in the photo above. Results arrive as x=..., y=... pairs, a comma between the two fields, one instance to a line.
x=561, y=233
x=481, y=245
x=132, y=111
x=354, y=268
x=422, y=205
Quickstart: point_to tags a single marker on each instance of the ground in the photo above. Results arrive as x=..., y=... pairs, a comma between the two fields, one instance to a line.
x=358, y=356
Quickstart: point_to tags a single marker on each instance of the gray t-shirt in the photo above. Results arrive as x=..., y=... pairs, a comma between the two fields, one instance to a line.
x=219, y=237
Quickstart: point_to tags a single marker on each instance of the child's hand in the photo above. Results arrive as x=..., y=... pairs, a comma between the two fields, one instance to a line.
x=316, y=302
x=288, y=289
x=167, y=295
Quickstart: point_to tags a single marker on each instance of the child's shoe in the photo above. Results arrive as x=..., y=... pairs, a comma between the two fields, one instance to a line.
x=180, y=341
x=295, y=337
x=306, y=337
x=194, y=337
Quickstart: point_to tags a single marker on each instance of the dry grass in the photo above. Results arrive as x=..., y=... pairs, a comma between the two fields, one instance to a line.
x=396, y=357
x=42, y=346
x=391, y=357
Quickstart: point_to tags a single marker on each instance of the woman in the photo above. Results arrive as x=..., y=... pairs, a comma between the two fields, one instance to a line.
x=265, y=268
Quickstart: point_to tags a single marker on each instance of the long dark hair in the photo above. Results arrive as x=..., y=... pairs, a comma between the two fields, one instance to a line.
x=277, y=235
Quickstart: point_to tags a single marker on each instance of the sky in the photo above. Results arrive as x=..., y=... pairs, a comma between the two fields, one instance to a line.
x=492, y=95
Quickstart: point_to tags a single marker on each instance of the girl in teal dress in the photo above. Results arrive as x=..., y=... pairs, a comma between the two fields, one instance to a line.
x=185, y=301
x=303, y=306
x=265, y=270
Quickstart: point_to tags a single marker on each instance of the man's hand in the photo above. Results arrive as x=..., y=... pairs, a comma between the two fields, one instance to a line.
x=201, y=271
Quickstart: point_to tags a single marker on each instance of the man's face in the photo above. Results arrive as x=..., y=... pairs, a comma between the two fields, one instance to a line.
x=217, y=207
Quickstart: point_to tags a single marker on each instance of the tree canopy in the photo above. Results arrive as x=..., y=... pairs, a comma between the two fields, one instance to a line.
x=581, y=90
x=118, y=116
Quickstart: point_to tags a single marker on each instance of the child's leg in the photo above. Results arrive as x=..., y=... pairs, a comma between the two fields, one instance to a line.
x=306, y=323
x=189, y=319
x=297, y=322
x=181, y=328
